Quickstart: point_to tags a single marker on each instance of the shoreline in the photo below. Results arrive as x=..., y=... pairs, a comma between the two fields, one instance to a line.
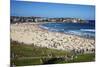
x=91, y=37
x=31, y=33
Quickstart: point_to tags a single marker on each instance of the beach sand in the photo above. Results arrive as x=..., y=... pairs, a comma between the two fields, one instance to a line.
x=31, y=33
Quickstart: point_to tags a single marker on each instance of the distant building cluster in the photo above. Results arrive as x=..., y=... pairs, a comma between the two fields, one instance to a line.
x=16, y=19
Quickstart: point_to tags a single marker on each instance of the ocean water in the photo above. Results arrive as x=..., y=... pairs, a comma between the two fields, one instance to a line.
x=80, y=29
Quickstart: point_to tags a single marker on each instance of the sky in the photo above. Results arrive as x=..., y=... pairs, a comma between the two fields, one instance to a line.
x=40, y=9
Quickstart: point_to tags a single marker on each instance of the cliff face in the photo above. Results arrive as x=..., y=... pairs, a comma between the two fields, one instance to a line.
x=16, y=19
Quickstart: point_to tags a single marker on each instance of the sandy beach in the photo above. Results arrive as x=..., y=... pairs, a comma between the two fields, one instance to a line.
x=31, y=33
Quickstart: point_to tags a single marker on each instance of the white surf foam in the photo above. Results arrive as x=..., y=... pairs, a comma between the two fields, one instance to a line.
x=91, y=30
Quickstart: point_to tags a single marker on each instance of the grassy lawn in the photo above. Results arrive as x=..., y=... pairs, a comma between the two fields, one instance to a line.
x=25, y=55
x=23, y=50
x=26, y=62
x=83, y=58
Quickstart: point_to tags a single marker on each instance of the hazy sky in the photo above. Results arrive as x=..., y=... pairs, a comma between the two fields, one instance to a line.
x=22, y=8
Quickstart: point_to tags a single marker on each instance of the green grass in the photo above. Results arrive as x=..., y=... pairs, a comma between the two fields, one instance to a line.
x=85, y=58
x=26, y=62
x=21, y=50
